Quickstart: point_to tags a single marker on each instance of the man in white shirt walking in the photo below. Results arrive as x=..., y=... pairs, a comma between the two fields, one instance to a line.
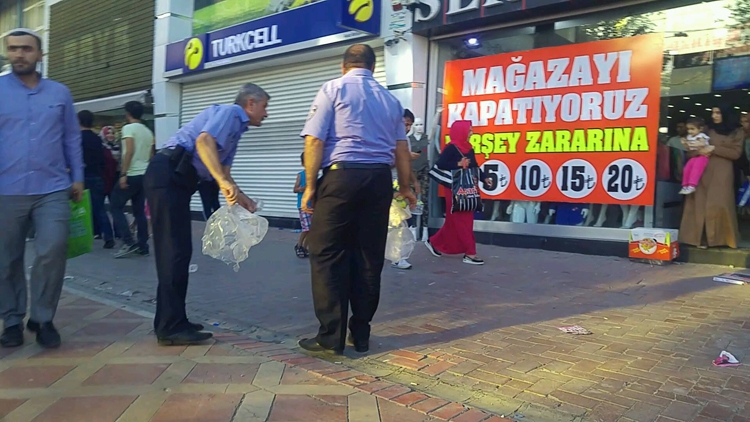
x=137, y=151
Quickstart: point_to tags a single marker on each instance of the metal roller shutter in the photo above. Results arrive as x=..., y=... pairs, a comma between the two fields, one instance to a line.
x=267, y=160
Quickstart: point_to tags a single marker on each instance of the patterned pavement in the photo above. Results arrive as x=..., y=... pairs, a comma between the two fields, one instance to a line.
x=110, y=368
x=487, y=337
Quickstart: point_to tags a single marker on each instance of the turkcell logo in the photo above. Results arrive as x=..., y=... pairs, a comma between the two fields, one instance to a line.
x=361, y=10
x=194, y=53
x=361, y=16
x=245, y=42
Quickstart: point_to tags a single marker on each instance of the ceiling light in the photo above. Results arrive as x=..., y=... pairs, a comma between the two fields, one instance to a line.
x=717, y=95
x=472, y=42
x=669, y=117
x=708, y=109
x=692, y=115
x=698, y=104
x=671, y=106
x=682, y=111
x=736, y=107
x=685, y=98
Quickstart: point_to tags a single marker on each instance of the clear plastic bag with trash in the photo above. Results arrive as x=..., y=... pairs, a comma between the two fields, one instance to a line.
x=230, y=233
x=400, y=241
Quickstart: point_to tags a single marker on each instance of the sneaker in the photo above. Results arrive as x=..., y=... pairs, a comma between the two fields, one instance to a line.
x=402, y=265
x=110, y=244
x=472, y=261
x=142, y=252
x=126, y=250
x=689, y=190
x=432, y=249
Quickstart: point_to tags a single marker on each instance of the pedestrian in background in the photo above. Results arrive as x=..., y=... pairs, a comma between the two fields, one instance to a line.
x=137, y=150
x=93, y=171
x=203, y=149
x=40, y=171
x=354, y=127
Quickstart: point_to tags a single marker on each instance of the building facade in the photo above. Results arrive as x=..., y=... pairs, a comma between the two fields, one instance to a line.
x=565, y=150
x=203, y=54
x=103, y=51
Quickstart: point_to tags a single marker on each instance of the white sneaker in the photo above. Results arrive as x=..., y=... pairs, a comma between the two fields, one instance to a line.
x=689, y=190
x=472, y=261
x=402, y=265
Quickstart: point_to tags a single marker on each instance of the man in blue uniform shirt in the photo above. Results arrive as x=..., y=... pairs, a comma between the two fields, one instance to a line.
x=203, y=149
x=41, y=167
x=354, y=129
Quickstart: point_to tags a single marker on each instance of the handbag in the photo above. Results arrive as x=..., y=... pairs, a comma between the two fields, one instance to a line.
x=465, y=187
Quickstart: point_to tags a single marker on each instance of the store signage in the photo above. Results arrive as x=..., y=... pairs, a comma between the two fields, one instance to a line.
x=577, y=123
x=313, y=25
x=432, y=13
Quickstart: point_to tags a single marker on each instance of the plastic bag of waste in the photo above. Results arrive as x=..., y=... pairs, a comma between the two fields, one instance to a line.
x=230, y=233
x=400, y=241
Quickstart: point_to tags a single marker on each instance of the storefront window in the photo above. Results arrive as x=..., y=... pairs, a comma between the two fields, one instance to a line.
x=706, y=64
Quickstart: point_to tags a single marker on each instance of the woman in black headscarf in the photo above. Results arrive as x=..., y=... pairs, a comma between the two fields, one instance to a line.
x=710, y=216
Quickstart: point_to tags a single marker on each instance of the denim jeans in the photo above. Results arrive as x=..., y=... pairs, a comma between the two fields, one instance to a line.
x=102, y=225
x=137, y=198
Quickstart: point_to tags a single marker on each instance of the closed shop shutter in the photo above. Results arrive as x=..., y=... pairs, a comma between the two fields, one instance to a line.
x=267, y=160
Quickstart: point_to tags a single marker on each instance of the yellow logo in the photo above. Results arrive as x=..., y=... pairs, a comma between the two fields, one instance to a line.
x=362, y=10
x=193, y=53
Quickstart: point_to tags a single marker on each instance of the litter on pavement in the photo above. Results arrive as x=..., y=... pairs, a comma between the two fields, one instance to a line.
x=733, y=278
x=726, y=359
x=575, y=330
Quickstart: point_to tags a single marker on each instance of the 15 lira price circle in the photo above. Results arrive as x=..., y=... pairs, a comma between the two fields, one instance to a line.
x=533, y=178
x=576, y=178
x=499, y=176
x=625, y=179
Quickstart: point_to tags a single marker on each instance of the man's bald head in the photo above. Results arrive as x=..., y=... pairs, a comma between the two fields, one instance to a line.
x=359, y=56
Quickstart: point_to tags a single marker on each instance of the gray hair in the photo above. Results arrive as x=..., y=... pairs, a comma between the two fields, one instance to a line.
x=250, y=91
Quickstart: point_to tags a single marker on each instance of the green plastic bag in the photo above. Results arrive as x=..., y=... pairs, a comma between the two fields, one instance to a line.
x=81, y=238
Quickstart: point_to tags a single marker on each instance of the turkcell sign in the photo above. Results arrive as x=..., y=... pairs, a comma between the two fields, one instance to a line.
x=246, y=42
x=317, y=24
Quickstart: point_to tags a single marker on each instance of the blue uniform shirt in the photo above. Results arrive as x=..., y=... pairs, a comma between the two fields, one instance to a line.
x=40, y=139
x=226, y=123
x=357, y=119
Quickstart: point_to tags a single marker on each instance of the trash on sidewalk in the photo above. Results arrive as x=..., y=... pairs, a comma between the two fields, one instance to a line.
x=575, y=330
x=653, y=246
x=726, y=359
x=67, y=277
x=230, y=233
x=127, y=293
x=733, y=278
x=193, y=268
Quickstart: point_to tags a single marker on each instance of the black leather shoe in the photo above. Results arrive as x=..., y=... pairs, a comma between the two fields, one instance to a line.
x=195, y=326
x=12, y=336
x=312, y=345
x=47, y=336
x=33, y=326
x=184, y=338
x=359, y=346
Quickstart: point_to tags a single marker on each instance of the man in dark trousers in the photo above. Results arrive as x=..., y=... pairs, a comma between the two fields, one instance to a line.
x=354, y=129
x=203, y=149
x=93, y=171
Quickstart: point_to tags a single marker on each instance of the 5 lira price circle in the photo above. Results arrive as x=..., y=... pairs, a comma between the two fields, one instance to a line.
x=623, y=179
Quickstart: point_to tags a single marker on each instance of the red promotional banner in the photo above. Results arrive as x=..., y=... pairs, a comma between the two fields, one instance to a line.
x=577, y=123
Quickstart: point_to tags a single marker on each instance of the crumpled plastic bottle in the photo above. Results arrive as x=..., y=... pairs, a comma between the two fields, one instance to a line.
x=230, y=233
x=400, y=241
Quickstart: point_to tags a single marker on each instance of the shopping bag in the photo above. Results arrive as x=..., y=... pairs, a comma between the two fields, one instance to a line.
x=400, y=241
x=230, y=233
x=465, y=188
x=81, y=237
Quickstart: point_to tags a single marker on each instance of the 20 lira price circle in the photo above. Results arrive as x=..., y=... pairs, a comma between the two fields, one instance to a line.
x=625, y=179
x=576, y=178
x=533, y=178
x=499, y=176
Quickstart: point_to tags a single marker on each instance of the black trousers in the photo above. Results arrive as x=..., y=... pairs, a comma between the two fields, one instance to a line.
x=168, y=194
x=209, y=191
x=347, y=250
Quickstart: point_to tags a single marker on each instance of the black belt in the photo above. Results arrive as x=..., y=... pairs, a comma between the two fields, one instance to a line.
x=166, y=151
x=342, y=165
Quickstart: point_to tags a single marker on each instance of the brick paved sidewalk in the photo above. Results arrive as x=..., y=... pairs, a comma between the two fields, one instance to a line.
x=111, y=369
x=487, y=336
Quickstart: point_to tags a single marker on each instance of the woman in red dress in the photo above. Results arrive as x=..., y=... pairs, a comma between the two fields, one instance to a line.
x=457, y=234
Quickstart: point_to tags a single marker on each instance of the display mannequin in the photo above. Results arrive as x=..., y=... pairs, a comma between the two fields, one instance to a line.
x=496, y=205
x=524, y=211
x=602, y=215
x=629, y=215
x=417, y=129
x=420, y=151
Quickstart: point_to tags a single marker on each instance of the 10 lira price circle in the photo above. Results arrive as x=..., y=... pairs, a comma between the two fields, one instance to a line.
x=625, y=179
x=533, y=178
